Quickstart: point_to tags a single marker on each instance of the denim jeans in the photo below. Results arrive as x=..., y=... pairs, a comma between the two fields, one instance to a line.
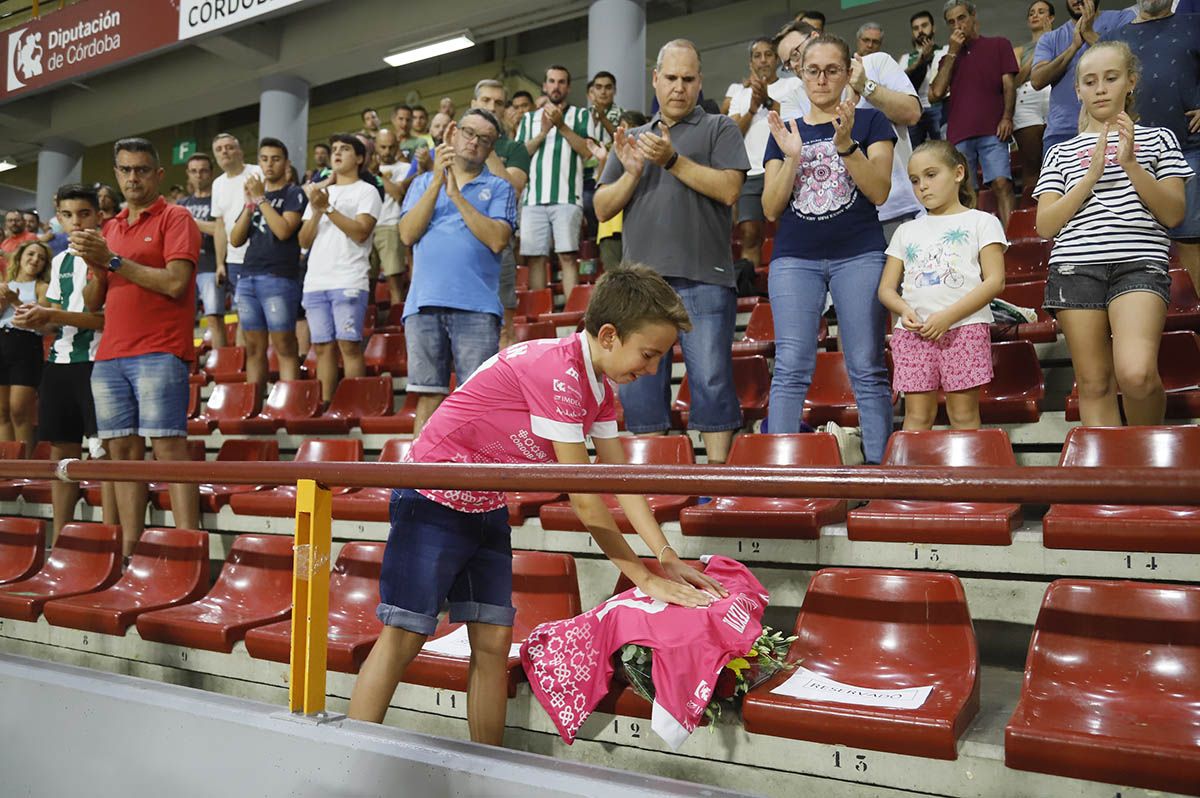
x=708, y=356
x=797, y=289
x=438, y=336
x=267, y=302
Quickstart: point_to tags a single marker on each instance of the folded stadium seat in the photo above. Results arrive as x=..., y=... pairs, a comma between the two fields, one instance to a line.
x=1027, y=261
x=759, y=338
x=768, y=249
x=522, y=278
x=830, y=395
x=193, y=409
x=235, y=401
x=746, y=304
x=747, y=516
x=288, y=400
x=545, y=588
x=912, y=521
x=399, y=423
x=751, y=377
x=368, y=328
x=280, y=501
x=533, y=303
x=386, y=353
x=649, y=450
x=1113, y=527
x=15, y=450
x=353, y=627
x=1184, y=311
x=1112, y=686
x=383, y=295
x=1179, y=368
x=1027, y=295
x=353, y=398
x=985, y=201
x=197, y=375
x=523, y=505
x=214, y=496
x=168, y=567
x=1022, y=226
x=226, y=364
x=878, y=630
x=572, y=312
x=371, y=504
x=230, y=334
x=533, y=329
x=393, y=322
x=1015, y=394
x=85, y=558
x=22, y=548
x=254, y=589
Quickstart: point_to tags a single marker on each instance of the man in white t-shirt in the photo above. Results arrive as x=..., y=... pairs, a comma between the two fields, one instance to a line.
x=228, y=200
x=339, y=223
x=389, y=250
x=921, y=64
x=748, y=104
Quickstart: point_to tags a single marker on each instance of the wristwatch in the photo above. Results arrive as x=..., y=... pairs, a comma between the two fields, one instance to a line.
x=869, y=88
x=114, y=263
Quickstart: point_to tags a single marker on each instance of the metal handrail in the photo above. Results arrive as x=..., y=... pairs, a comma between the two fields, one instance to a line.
x=1021, y=484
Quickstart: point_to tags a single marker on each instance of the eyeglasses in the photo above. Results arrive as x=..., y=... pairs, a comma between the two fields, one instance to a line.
x=472, y=135
x=140, y=171
x=830, y=72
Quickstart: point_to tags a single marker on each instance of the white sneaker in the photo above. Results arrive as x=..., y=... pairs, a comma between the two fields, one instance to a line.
x=849, y=442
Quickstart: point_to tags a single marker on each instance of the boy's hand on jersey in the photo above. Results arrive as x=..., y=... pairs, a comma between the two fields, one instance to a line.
x=911, y=321
x=674, y=593
x=679, y=571
x=935, y=326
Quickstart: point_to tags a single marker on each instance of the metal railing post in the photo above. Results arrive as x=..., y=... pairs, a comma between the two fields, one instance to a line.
x=310, y=599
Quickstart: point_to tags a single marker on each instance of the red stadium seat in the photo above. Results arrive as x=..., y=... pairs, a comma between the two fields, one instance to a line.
x=830, y=397
x=234, y=401
x=527, y=504
x=660, y=450
x=1027, y=295
x=214, y=496
x=522, y=278
x=289, y=400
x=353, y=398
x=986, y=202
x=226, y=364
x=911, y=521
x=193, y=401
x=1111, y=527
x=1179, y=368
x=22, y=548
x=85, y=558
x=168, y=567
x=353, y=627
x=383, y=294
x=1184, y=311
x=281, y=501
x=1015, y=394
x=399, y=423
x=746, y=516
x=1112, y=686
x=751, y=377
x=533, y=329
x=1026, y=261
x=533, y=303
x=371, y=504
x=572, y=312
x=15, y=450
x=386, y=353
x=545, y=588
x=879, y=630
x=254, y=589
x=1022, y=226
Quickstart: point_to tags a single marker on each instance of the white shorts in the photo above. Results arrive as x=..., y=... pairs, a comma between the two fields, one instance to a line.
x=1033, y=106
x=542, y=225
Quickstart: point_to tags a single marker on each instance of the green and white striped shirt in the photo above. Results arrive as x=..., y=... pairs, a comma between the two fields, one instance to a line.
x=556, y=170
x=68, y=275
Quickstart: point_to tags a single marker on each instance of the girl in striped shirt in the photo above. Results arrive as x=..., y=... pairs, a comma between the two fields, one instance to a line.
x=1107, y=197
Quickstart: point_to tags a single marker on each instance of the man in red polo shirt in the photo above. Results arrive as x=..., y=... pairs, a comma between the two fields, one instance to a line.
x=140, y=272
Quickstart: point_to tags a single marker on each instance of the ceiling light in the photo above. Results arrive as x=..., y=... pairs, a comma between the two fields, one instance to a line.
x=6, y=164
x=432, y=49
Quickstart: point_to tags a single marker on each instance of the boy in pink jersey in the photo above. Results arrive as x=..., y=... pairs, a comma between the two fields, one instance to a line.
x=535, y=401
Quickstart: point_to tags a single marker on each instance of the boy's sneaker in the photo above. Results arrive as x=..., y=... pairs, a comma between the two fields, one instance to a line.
x=849, y=442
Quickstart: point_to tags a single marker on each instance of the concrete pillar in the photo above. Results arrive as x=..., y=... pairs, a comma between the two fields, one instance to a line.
x=617, y=43
x=60, y=161
x=283, y=114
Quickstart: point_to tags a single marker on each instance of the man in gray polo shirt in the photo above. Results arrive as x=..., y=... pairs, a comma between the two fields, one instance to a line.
x=676, y=179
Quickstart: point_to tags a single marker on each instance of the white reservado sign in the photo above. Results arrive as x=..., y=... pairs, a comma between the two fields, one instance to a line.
x=805, y=684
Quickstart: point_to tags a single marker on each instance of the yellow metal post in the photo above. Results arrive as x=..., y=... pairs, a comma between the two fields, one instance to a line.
x=310, y=599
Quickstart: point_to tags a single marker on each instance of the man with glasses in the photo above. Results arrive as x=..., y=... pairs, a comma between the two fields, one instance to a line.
x=458, y=218
x=140, y=271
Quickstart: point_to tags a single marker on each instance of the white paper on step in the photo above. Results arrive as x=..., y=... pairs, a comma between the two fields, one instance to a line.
x=456, y=644
x=809, y=686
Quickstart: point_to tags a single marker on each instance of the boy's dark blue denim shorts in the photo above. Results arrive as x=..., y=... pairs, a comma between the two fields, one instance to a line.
x=437, y=554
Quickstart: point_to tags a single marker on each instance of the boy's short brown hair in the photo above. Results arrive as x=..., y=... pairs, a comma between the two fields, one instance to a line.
x=631, y=296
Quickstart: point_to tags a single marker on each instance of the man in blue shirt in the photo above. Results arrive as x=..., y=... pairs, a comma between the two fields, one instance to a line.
x=458, y=218
x=1055, y=58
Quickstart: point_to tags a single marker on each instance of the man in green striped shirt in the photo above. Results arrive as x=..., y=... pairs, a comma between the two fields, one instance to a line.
x=556, y=137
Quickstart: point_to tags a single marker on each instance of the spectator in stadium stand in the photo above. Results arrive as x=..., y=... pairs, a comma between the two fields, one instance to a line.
x=869, y=39
x=508, y=160
x=1033, y=105
x=608, y=233
x=748, y=104
x=812, y=17
x=676, y=180
x=1168, y=46
x=21, y=355
x=140, y=273
x=1055, y=58
x=605, y=115
x=199, y=204
x=15, y=235
x=33, y=223
x=370, y=120
x=458, y=219
x=66, y=412
x=110, y=203
x=920, y=65
x=446, y=106
x=402, y=128
x=437, y=127
x=393, y=172
x=175, y=193
x=337, y=231
x=420, y=124
x=556, y=138
x=320, y=162
x=980, y=73
x=825, y=174
x=228, y=199
x=268, y=295
x=522, y=103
